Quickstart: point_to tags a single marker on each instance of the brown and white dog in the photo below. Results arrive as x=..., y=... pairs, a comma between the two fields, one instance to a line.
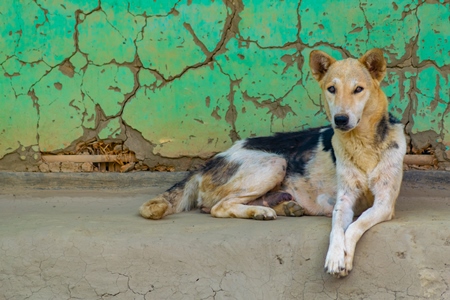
x=351, y=168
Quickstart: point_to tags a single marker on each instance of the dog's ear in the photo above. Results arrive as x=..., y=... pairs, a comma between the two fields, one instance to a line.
x=319, y=62
x=374, y=61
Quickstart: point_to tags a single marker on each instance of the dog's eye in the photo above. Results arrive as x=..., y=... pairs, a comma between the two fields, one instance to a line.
x=358, y=90
x=331, y=89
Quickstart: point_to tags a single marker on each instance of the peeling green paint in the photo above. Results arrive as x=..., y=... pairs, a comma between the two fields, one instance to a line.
x=398, y=30
x=109, y=34
x=259, y=70
x=273, y=24
x=191, y=77
x=30, y=25
x=107, y=86
x=165, y=50
x=148, y=78
x=18, y=122
x=23, y=76
x=78, y=61
x=112, y=130
x=320, y=23
x=60, y=110
x=193, y=123
x=397, y=87
x=434, y=38
x=433, y=101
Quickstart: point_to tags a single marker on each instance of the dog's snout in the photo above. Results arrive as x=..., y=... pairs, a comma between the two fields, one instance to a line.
x=341, y=120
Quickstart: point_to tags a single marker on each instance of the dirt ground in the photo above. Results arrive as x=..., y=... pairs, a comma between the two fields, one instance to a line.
x=78, y=236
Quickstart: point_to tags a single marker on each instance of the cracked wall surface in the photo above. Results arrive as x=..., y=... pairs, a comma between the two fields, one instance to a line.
x=176, y=81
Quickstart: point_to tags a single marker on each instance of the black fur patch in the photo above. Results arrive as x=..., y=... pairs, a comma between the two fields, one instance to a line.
x=383, y=126
x=327, y=135
x=296, y=147
x=180, y=184
x=393, y=145
x=220, y=170
x=393, y=120
x=382, y=129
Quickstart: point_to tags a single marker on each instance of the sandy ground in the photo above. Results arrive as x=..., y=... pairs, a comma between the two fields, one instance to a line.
x=78, y=236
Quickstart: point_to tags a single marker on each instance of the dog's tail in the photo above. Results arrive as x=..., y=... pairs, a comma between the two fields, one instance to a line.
x=180, y=197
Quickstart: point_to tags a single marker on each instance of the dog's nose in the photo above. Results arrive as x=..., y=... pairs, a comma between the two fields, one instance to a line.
x=341, y=120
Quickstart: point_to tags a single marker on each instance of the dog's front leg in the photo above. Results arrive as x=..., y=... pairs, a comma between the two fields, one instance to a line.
x=342, y=217
x=385, y=185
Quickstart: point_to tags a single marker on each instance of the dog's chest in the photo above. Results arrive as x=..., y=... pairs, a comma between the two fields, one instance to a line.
x=366, y=161
x=357, y=154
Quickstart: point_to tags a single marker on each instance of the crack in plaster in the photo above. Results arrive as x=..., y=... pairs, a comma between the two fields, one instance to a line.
x=367, y=23
x=225, y=37
x=45, y=14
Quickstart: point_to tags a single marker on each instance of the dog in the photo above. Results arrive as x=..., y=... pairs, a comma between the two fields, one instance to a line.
x=352, y=168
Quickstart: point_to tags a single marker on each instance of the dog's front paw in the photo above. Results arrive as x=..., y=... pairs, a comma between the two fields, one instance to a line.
x=335, y=263
x=264, y=213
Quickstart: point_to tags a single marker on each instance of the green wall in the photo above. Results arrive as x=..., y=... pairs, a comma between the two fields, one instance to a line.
x=179, y=80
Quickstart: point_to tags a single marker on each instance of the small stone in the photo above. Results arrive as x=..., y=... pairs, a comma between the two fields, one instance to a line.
x=447, y=154
x=87, y=167
x=127, y=168
x=67, y=166
x=54, y=167
x=44, y=168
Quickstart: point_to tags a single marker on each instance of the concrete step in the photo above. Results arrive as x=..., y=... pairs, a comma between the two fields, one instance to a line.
x=79, y=236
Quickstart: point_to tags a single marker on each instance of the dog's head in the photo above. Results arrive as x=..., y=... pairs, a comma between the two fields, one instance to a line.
x=348, y=85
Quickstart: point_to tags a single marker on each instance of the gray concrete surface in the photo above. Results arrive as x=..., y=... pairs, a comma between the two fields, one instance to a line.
x=78, y=236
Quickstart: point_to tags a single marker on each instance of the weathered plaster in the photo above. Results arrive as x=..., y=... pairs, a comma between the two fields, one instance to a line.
x=107, y=86
x=198, y=113
x=61, y=108
x=113, y=129
x=190, y=40
x=184, y=79
x=434, y=38
x=270, y=25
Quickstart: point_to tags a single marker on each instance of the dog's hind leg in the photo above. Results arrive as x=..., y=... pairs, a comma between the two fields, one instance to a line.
x=282, y=202
x=256, y=176
x=236, y=208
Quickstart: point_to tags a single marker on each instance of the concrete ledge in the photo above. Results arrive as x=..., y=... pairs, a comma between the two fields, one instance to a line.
x=78, y=236
x=50, y=181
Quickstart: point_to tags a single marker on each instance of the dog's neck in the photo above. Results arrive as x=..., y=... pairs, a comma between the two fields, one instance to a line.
x=363, y=144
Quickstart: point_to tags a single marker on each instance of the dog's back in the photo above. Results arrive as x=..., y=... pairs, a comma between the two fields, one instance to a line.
x=299, y=163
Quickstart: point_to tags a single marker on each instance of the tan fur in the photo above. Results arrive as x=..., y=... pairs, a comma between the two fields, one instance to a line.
x=357, y=172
